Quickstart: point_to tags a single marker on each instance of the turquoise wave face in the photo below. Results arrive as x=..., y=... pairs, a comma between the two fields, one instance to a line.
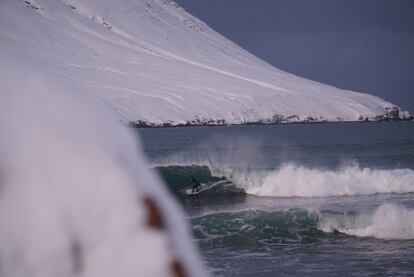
x=178, y=180
x=257, y=229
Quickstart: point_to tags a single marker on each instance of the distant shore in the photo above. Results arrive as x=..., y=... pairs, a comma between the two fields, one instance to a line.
x=144, y=124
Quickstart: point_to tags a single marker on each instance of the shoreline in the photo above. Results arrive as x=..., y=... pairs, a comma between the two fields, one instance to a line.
x=149, y=125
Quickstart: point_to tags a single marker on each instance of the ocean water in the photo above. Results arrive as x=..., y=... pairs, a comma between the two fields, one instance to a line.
x=295, y=200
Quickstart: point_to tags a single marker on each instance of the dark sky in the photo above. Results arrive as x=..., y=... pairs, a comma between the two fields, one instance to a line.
x=362, y=45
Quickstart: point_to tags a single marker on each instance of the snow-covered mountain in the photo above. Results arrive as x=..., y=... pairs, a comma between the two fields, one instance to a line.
x=154, y=64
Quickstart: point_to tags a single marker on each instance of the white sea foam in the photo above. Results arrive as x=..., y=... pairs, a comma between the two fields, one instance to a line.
x=298, y=181
x=389, y=221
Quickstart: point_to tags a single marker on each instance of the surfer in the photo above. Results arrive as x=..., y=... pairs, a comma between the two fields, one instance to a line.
x=195, y=185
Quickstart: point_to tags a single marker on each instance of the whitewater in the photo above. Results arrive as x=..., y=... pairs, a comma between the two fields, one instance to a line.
x=298, y=181
x=389, y=221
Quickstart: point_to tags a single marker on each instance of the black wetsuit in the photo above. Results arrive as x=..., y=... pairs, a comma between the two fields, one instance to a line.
x=195, y=184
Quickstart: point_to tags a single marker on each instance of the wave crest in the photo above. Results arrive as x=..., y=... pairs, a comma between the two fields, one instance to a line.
x=298, y=181
x=389, y=221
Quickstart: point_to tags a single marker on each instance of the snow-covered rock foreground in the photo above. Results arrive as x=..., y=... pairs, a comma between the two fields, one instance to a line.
x=155, y=64
x=76, y=195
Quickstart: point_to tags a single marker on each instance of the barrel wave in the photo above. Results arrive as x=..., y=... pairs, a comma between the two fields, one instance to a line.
x=178, y=179
x=290, y=180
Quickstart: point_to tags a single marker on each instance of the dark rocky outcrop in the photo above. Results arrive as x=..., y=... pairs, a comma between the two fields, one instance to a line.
x=394, y=114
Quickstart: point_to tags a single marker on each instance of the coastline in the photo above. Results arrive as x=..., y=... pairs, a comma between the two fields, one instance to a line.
x=149, y=125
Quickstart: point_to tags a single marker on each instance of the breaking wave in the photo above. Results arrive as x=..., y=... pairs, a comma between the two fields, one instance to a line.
x=389, y=221
x=297, y=181
x=292, y=181
x=259, y=229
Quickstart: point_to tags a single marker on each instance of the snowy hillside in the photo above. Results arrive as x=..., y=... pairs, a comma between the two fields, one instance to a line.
x=155, y=64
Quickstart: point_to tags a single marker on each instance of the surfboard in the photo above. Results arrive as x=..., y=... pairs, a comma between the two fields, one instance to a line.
x=193, y=193
x=190, y=193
